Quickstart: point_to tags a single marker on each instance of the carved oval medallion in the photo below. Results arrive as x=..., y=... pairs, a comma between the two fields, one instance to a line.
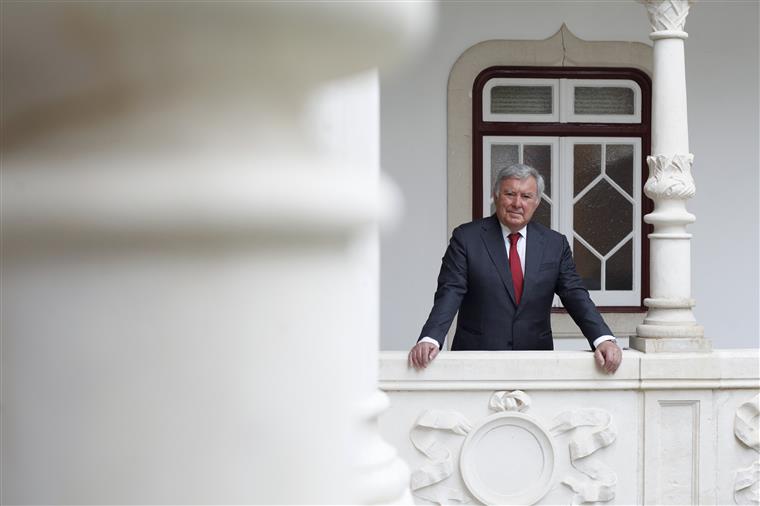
x=508, y=459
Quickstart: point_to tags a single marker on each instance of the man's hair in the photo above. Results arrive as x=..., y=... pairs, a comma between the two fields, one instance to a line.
x=519, y=171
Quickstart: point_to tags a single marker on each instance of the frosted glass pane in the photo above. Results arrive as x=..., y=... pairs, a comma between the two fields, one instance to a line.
x=543, y=214
x=503, y=155
x=603, y=217
x=620, y=165
x=521, y=100
x=588, y=266
x=587, y=164
x=619, y=267
x=603, y=100
x=540, y=158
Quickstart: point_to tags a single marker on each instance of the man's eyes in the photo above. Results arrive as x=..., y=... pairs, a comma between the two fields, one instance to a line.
x=525, y=196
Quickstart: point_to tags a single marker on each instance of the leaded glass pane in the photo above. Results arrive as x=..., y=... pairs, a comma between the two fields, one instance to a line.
x=619, y=275
x=604, y=100
x=619, y=165
x=587, y=164
x=589, y=267
x=603, y=217
x=521, y=100
x=543, y=214
x=540, y=158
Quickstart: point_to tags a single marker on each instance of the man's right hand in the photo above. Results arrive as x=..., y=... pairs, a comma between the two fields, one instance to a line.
x=422, y=354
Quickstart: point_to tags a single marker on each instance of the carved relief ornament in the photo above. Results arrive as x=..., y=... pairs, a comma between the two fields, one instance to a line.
x=747, y=479
x=530, y=451
x=670, y=177
x=667, y=15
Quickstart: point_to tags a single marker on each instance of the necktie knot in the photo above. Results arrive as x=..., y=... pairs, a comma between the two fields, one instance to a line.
x=513, y=238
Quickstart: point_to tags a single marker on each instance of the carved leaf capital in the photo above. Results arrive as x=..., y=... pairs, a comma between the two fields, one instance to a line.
x=670, y=177
x=667, y=15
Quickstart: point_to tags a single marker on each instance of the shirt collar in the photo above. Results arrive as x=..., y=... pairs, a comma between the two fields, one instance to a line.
x=505, y=231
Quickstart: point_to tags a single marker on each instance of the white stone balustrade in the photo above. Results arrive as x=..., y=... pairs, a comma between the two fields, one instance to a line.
x=549, y=428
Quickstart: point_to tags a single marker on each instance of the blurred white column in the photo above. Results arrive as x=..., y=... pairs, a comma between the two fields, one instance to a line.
x=669, y=324
x=189, y=282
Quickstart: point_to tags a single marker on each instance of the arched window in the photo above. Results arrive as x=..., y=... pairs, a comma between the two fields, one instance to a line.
x=587, y=130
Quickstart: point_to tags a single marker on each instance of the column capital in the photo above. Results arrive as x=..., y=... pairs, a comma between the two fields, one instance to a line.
x=667, y=17
x=670, y=177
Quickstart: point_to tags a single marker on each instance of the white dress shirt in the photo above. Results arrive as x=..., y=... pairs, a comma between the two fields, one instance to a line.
x=521, y=242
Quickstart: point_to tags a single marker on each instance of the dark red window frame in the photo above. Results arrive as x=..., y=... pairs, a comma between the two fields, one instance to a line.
x=641, y=130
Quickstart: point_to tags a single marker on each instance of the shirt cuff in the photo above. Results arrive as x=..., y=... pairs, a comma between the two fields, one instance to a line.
x=430, y=340
x=599, y=340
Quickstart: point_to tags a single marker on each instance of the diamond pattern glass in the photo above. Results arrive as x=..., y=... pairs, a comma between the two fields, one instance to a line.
x=603, y=217
x=587, y=164
x=619, y=275
x=543, y=214
x=502, y=155
x=589, y=267
x=540, y=158
x=619, y=165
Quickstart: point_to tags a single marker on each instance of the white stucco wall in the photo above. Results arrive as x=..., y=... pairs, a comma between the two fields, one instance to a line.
x=722, y=84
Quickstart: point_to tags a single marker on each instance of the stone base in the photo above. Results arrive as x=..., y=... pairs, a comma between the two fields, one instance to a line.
x=660, y=331
x=670, y=344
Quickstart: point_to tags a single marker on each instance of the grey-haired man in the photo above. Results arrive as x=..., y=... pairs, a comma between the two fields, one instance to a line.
x=501, y=273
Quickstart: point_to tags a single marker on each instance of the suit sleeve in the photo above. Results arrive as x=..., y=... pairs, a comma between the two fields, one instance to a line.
x=452, y=286
x=576, y=300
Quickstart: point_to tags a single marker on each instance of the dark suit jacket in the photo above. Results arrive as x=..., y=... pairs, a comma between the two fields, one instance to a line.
x=475, y=280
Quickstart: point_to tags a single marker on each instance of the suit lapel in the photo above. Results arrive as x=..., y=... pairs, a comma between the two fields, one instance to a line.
x=534, y=252
x=497, y=250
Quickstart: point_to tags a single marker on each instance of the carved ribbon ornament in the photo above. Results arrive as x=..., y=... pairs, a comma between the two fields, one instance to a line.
x=746, y=425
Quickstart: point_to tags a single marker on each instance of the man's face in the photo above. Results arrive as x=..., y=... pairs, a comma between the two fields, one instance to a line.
x=516, y=202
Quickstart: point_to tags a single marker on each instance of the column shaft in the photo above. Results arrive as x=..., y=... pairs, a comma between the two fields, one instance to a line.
x=669, y=324
x=189, y=282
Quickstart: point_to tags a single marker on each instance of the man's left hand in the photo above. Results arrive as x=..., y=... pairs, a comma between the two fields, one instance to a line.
x=608, y=356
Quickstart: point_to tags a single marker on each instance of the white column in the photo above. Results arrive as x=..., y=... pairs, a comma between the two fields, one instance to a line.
x=669, y=324
x=189, y=284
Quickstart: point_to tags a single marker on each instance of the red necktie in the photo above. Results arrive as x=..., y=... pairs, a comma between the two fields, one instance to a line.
x=515, y=267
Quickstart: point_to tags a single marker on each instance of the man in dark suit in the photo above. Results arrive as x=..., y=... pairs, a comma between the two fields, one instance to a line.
x=501, y=273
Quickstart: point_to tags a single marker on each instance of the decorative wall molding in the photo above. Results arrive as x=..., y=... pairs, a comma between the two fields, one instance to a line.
x=746, y=489
x=510, y=457
x=746, y=427
x=509, y=401
x=670, y=177
x=440, y=466
x=746, y=423
x=683, y=424
x=562, y=48
x=600, y=485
